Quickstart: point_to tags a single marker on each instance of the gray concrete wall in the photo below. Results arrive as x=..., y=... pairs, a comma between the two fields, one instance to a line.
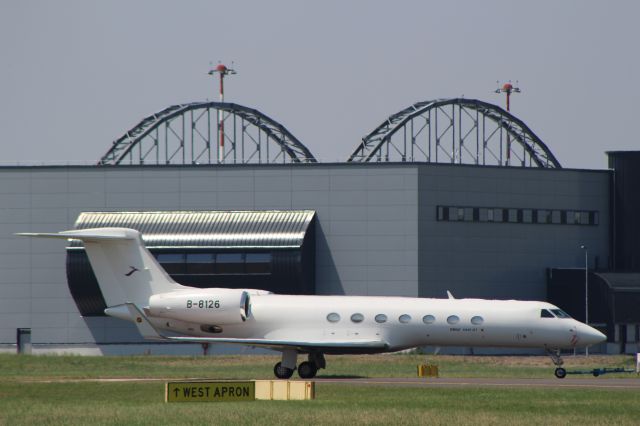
x=505, y=260
x=377, y=232
x=367, y=241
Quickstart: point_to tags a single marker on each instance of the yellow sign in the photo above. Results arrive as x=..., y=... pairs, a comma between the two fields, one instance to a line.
x=427, y=370
x=210, y=391
x=285, y=390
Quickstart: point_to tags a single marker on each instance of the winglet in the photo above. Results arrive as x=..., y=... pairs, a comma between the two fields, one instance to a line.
x=450, y=295
x=145, y=328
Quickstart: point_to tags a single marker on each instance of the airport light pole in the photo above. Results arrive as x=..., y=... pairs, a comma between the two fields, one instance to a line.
x=222, y=71
x=508, y=89
x=586, y=290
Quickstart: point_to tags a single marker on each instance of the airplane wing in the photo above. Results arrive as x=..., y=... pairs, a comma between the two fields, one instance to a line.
x=148, y=331
x=342, y=346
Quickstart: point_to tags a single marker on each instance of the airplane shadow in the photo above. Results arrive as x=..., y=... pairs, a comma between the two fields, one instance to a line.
x=340, y=376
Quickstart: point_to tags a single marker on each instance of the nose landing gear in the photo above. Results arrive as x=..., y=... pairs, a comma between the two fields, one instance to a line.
x=560, y=372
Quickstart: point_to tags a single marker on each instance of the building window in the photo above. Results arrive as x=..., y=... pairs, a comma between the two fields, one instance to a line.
x=173, y=263
x=201, y=263
x=230, y=263
x=516, y=215
x=468, y=214
x=576, y=217
x=258, y=263
x=584, y=218
x=543, y=216
x=483, y=214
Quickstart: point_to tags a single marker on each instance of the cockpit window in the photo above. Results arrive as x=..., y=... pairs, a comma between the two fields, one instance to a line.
x=544, y=313
x=560, y=313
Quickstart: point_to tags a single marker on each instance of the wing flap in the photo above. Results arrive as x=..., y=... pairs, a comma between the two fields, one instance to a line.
x=360, y=344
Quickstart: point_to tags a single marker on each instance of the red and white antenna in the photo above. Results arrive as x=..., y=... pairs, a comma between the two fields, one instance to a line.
x=508, y=89
x=222, y=70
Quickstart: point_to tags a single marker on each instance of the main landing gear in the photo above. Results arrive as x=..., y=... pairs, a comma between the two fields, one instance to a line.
x=306, y=370
x=282, y=372
x=560, y=372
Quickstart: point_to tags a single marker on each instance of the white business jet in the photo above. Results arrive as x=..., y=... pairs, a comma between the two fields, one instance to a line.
x=137, y=289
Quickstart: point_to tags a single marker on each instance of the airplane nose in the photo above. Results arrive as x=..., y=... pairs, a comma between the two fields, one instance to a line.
x=589, y=335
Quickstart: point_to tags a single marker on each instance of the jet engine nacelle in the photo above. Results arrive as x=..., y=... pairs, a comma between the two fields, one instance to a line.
x=219, y=306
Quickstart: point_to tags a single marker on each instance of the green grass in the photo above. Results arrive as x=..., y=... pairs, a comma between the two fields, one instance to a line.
x=27, y=398
x=261, y=367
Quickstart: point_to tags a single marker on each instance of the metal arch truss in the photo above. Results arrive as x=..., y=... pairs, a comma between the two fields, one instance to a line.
x=455, y=131
x=190, y=134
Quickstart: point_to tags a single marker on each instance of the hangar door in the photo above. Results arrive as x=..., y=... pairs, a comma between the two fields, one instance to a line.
x=268, y=250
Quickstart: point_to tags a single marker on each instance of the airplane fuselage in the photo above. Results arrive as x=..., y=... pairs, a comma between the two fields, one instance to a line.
x=401, y=322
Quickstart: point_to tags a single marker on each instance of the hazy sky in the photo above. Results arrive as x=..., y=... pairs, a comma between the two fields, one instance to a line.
x=75, y=75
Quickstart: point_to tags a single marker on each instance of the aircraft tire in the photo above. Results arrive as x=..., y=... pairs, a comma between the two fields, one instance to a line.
x=560, y=373
x=307, y=370
x=282, y=372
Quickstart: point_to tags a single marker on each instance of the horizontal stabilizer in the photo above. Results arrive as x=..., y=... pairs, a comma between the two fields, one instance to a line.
x=145, y=328
x=87, y=234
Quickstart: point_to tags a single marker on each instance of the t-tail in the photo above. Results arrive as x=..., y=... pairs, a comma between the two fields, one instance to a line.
x=125, y=270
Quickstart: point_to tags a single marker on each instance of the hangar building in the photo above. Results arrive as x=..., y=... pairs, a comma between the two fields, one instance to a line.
x=400, y=218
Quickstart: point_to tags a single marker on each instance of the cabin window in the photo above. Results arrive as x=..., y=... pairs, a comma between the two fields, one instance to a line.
x=544, y=313
x=428, y=319
x=453, y=319
x=357, y=318
x=477, y=320
x=333, y=317
x=404, y=319
x=560, y=313
x=380, y=318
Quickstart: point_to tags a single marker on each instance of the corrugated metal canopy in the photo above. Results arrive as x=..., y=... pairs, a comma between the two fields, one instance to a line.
x=208, y=229
x=621, y=281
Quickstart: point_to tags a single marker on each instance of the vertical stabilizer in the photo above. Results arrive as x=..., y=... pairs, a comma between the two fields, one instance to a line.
x=125, y=269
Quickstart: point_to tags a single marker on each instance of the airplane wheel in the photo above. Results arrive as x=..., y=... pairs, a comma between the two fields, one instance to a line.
x=560, y=373
x=282, y=372
x=307, y=370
